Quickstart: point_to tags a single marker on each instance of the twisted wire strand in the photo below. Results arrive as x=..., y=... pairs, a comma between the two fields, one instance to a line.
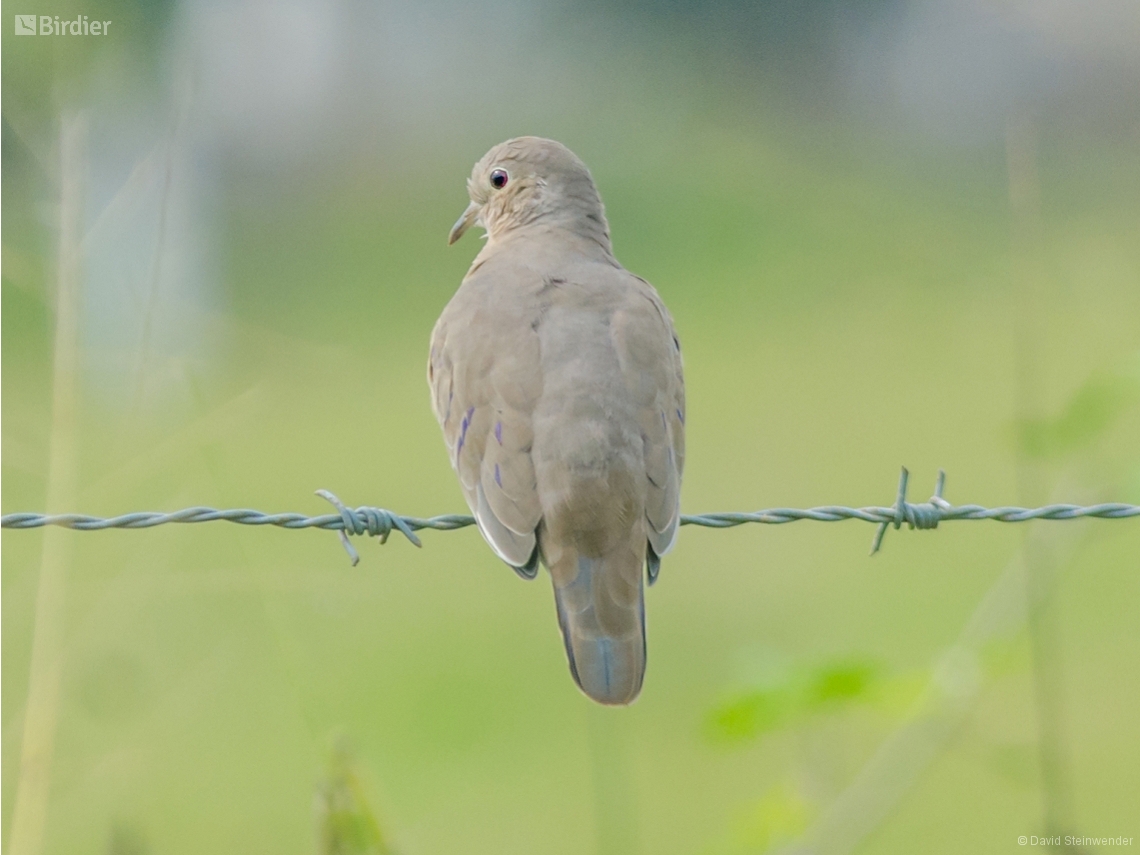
x=449, y=522
x=379, y=522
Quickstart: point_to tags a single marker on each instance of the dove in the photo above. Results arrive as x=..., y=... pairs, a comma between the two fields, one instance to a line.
x=556, y=377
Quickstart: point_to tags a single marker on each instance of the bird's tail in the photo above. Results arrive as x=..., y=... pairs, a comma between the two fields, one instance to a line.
x=601, y=610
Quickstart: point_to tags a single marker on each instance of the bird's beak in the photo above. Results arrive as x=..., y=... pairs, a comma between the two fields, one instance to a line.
x=464, y=223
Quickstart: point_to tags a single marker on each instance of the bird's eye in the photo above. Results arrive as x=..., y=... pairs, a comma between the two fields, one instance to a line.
x=499, y=178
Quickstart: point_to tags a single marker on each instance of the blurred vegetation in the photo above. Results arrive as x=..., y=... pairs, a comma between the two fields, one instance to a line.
x=346, y=825
x=1100, y=401
x=843, y=280
x=775, y=819
x=792, y=696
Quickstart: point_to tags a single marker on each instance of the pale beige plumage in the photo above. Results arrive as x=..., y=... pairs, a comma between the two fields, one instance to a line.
x=556, y=377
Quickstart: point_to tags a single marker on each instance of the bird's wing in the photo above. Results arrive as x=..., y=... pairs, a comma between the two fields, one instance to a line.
x=484, y=371
x=650, y=356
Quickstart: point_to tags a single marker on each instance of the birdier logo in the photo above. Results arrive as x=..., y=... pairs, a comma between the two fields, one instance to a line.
x=49, y=25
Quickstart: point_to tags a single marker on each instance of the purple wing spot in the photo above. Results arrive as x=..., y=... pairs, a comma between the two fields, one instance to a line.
x=681, y=416
x=466, y=423
x=498, y=476
x=499, y=432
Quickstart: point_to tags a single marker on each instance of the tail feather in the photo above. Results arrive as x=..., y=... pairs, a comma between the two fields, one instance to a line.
x=601, y=611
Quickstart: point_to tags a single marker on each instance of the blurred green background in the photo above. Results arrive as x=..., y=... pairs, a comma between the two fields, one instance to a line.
x=892, y=233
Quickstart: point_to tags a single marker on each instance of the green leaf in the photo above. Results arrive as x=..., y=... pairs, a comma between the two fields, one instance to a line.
x=749, y=714
x=833, y=685
x=790, y=695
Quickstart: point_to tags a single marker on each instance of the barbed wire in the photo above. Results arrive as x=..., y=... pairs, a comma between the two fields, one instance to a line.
x=379, y=522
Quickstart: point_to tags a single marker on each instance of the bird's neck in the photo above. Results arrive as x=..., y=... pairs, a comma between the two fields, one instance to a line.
x=551, y=241
x=568, y=237
x=578, y=222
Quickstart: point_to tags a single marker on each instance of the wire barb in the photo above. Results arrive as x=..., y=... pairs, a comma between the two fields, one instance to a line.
x=375, y=522
x=923, y=516
x=379, y=523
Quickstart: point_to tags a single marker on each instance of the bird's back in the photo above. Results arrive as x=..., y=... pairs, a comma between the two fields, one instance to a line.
x=556, y=376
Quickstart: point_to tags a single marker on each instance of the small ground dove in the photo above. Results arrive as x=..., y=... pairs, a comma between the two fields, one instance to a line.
x=556, y=377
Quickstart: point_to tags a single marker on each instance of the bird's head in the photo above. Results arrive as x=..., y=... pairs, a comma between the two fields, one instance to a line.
x=531, y=180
